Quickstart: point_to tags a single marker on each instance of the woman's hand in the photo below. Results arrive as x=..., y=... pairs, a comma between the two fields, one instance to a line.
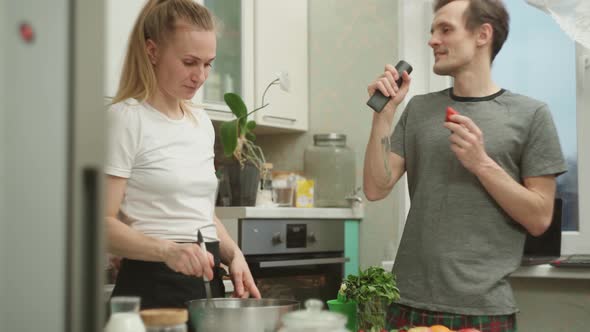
x=189, y=259
x=241, y=277
x=114, y=267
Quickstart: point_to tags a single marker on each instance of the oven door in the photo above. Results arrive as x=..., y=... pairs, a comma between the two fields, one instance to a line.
x=298, y=276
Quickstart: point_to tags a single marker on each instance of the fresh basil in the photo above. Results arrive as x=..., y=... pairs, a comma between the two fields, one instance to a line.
x=373, y=290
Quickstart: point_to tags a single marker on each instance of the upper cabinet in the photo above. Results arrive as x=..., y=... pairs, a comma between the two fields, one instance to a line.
x=233, y=66
x=257, y=39
x=281, y=44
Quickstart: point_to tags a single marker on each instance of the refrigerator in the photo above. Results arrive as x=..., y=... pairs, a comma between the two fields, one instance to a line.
x=51, y=154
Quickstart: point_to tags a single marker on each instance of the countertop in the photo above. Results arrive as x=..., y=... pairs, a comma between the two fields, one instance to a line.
x=549, y=271
x=247, y=212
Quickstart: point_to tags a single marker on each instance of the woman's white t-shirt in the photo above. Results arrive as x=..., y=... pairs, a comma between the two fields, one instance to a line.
x=168, y=164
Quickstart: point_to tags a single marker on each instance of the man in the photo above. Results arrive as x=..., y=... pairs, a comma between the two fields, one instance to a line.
x=477, y=183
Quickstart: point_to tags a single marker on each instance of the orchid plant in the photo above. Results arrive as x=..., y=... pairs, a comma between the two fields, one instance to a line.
x=237, y=137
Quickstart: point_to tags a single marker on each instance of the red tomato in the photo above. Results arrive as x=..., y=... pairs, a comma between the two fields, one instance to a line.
x=450, y=112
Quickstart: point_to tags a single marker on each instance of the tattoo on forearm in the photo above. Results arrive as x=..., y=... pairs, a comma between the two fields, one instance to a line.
x=385, y=149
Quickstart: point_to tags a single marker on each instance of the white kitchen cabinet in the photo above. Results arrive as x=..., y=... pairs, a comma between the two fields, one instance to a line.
x=273, y=39
x=234, y=64
x=281, y=44
x=257, y=39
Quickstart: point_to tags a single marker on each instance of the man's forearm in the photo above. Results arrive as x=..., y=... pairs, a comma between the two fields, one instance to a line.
x=530, y=208
x=378, y=172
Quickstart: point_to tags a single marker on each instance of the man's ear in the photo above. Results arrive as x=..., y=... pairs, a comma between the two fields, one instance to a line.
x=485, y=34
x=152, y=51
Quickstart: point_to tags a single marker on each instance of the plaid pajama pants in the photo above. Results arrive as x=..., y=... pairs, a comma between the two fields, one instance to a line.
x=404, y=317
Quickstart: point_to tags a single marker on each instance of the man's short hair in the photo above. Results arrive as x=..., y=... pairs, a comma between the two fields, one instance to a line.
x=485, y=11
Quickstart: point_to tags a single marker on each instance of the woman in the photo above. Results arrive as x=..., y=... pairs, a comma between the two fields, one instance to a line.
x=161, y=182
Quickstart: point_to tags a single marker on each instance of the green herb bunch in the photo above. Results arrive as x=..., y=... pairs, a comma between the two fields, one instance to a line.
x=369, y=284
x=373, y=290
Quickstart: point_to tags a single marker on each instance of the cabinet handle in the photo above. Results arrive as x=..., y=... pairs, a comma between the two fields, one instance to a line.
x=279, y=118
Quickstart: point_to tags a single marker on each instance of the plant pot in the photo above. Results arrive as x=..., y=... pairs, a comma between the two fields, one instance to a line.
x=244, y=181
x=371, y=314
x=348, y=309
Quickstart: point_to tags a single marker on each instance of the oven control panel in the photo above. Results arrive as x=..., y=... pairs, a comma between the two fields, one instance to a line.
x=271, y=236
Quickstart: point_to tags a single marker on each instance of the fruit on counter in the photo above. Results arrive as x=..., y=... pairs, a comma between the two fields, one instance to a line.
x=433, y=328
x=420, y=329
x=450, y=112
x=440, y=328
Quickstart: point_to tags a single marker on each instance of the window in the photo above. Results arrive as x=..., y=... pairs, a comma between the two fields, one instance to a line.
x=543, y=63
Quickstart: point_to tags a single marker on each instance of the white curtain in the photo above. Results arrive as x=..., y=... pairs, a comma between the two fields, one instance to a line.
x=573, y=16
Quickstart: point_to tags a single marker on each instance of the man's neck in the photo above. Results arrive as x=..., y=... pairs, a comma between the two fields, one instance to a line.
x=475, y=82
x=166, y=105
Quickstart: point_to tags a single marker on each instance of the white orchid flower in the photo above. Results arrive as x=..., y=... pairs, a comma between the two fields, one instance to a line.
x=284, y=81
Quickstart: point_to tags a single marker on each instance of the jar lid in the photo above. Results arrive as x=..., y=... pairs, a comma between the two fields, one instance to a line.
x=164, y=316
x=314, y=317
x=329, y=137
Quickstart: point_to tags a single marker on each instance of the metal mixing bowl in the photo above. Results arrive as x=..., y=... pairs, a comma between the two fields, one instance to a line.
x=230, y=314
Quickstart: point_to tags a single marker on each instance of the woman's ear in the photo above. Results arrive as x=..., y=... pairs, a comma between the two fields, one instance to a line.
x=152, y=51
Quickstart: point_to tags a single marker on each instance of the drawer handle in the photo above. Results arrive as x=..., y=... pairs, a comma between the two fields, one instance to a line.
x=279, y=118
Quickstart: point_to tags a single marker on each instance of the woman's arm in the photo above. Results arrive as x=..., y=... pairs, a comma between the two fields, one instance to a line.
x=127, y=242
x=232, y=256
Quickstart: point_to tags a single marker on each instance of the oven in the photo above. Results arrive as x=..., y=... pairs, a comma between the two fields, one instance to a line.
x=294, y=259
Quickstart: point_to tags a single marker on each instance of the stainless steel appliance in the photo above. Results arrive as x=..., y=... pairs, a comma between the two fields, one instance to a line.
x=51, y=128
x=294, y=259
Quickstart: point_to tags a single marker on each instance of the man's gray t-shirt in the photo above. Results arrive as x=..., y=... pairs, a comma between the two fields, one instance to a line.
x=458, y=245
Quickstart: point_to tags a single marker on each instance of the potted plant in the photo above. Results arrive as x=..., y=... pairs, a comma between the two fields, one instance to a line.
x=245, y=157
x=373, y=290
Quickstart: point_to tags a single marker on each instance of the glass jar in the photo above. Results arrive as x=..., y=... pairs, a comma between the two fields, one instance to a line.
x=283, y=187
x=265, y=198
x=371, y=314
x=331, y=164
x=125, y=315
x=165, y=320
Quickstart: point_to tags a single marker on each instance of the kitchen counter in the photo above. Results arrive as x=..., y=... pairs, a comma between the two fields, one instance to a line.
x=251, y=212
x=551, y=272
